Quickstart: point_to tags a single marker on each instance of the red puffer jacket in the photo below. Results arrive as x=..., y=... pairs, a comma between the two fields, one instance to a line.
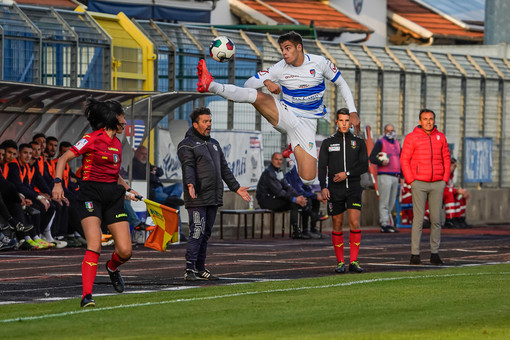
x=425, y=157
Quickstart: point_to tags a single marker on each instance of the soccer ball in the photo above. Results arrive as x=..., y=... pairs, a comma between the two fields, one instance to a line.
x=222, y=49
x=383, y=156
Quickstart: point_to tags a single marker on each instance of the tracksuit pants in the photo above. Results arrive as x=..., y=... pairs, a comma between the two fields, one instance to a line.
x=201, y=221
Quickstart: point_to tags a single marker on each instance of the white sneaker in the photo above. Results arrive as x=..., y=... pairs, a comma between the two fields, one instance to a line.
x=59, y=244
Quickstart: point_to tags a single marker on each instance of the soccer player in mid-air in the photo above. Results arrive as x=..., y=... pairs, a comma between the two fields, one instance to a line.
x=300, y=78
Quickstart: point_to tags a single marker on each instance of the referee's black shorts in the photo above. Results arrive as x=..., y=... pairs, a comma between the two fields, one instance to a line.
x=103, y=200
x=343, y=198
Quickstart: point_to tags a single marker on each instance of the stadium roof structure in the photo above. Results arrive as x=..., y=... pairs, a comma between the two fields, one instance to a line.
x=471, y=12
x=29, y=108
x=327, y=20
x=67, y=4
x=427, y=25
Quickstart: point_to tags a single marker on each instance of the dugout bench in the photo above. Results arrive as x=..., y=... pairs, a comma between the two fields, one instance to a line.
x=253, y=212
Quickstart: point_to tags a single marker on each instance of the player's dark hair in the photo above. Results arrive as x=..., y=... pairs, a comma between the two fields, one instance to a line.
x=64, y=144
x=343, y=111
x=198, y=112
x=293, y=37
x=103, y=114
x=9, y=143
x=33, y=143
x=51, y=138
x=38, y=135
x=427, y=110
x=24, y=146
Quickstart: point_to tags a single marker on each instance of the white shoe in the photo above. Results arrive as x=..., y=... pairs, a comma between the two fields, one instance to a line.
x=59, y=244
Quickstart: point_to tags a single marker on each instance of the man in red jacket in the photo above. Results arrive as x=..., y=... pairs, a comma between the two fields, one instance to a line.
x=425, y=161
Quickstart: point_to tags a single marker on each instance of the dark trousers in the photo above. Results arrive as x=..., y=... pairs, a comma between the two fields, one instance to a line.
x=310, y=213
x=61, y=220
x=281, y=204
x=201, y=221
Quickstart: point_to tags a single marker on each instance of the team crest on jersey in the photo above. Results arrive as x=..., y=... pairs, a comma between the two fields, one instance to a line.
x=266, y=71
x=312, y=72
x=215, y=147
x=310, y=145
x=81, y=143
x=438, y=137
x=115, y=158
x=358, y=6
x=353, y=144
x=90, y=206
x=332, y=66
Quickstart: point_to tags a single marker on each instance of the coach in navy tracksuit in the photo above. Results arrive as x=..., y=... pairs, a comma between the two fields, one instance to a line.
x=204, y=169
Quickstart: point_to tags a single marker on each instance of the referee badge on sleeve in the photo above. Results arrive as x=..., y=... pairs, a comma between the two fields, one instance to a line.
x=90, y=206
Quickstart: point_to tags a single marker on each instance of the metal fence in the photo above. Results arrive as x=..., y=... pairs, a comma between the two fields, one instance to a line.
x=389, y=84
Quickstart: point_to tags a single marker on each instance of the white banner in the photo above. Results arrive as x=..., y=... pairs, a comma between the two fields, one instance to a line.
x=167, y=157
x=243, y=152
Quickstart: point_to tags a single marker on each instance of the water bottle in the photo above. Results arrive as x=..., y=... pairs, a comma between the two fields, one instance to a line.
x=250, y=206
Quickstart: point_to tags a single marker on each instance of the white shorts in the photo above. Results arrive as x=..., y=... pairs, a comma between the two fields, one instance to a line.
x=301, y=131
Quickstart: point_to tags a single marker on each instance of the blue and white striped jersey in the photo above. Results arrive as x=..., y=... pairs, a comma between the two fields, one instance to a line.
x=303, y=86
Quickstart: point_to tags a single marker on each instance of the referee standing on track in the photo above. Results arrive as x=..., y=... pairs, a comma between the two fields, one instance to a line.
x=102, y=192
x=343, y=158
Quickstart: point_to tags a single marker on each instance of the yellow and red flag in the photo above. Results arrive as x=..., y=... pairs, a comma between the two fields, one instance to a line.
x=167, y=225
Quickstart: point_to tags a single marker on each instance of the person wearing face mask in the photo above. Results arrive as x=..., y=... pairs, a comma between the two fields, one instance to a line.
x=386, y=155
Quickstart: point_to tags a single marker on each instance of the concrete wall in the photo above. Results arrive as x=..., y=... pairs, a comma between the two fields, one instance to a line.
x=486, y=206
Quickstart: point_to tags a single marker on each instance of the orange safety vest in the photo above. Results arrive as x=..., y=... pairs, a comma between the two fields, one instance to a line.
x=31, y=173
x=65, y=175
x=51, y=168
x=22, y=174
x=40, y=164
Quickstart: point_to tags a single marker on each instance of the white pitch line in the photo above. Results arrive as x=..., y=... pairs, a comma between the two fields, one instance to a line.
x=476, y=251
x=82, y=311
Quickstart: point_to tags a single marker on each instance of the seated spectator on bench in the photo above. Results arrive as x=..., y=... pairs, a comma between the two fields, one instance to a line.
x=310, y=214
x=275, y=193
x=169, y=195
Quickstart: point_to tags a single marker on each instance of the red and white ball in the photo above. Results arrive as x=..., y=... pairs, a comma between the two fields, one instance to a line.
x=383, y=156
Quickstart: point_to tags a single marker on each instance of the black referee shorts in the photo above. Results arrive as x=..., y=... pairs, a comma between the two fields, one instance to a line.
x=342, y=199
x=103, y=200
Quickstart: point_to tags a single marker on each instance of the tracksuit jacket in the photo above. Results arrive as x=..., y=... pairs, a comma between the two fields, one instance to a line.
x=272, y=184
x=204, y=166
x=342, y=152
